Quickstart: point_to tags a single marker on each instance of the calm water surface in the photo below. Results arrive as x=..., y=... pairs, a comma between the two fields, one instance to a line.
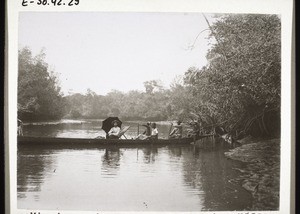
x=173, y=178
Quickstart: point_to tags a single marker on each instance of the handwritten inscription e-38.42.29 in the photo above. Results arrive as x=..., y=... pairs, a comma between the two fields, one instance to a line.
x=26, y=3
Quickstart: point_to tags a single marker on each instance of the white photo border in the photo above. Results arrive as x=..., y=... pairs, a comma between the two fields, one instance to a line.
x=284, y=8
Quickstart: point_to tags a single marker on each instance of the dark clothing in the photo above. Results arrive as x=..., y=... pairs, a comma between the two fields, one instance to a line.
x=153, y=137
x=147, y=132
x=196, y=130
x=220, y=130
x=113, y=137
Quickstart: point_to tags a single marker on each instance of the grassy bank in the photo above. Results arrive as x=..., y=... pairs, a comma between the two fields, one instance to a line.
x=261, y=174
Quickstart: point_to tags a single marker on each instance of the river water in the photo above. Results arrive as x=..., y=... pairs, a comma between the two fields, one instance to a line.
x=149, y=178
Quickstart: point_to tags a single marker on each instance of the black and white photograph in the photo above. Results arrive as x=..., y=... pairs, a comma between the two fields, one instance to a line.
x=148, y=111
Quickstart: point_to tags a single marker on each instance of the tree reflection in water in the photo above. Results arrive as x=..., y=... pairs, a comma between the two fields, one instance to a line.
x=210, y=173
x=33, y=164
x=200, y=178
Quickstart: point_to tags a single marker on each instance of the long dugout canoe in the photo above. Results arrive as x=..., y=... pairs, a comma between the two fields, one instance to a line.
x=82, y=141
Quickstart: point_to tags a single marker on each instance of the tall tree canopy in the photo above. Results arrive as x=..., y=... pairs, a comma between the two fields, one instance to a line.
x=241, y=83
x=39, y=95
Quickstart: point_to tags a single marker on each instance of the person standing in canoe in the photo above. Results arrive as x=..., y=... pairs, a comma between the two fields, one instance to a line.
x=114, y=131
x=20, y=127
x=177, y=131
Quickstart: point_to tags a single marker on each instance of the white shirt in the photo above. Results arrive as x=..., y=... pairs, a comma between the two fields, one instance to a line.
x=114, y=131
x=154, y=131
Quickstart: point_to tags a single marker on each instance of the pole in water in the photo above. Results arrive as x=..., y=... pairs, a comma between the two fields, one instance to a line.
x=138, y=129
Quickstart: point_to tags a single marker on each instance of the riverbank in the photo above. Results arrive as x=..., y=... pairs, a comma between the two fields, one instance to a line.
x=261, y=174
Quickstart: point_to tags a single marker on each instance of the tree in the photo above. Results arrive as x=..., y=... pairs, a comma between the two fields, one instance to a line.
x=241, y=83
x=153, y=85
x=39, y=94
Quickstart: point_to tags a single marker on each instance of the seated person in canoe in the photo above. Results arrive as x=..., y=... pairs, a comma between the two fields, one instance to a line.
x=114, y=131
x=154, y=132
x=146, y=134
x=177, y=131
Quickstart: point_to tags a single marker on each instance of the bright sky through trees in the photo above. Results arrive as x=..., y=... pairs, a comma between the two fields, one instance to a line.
x=106, y=51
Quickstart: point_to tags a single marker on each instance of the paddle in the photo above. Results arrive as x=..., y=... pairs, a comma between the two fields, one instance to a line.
x=170, y=130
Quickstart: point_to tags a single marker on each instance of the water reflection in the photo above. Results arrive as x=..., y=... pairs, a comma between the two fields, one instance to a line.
x=175, y=151
x=111, y=161
x=209, y=172
x=197, y=179
x=173, y=178
x=34, y=164
x=149, y=154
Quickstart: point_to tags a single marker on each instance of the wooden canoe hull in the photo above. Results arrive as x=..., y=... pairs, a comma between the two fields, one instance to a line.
x=103, y=142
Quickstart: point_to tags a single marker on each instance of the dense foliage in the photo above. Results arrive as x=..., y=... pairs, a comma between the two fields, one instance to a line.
x=39, y=95
x=238, y=89
x=149, y=105
x=240, y=86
